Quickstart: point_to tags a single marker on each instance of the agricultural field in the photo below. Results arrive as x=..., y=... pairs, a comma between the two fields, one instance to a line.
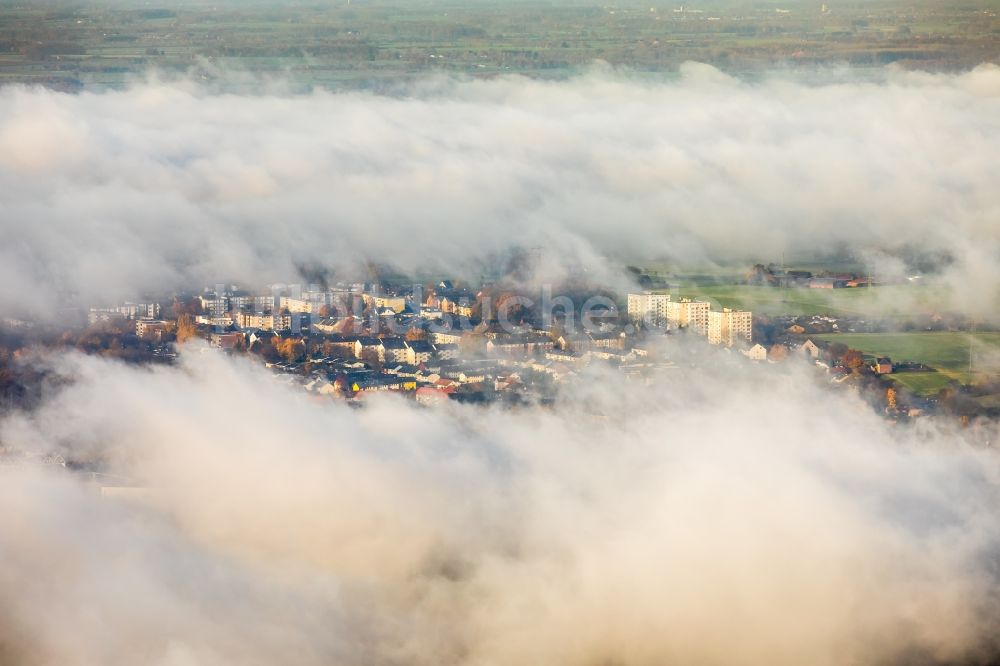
x=948, y=353
x=895, y=302
x=373, y=43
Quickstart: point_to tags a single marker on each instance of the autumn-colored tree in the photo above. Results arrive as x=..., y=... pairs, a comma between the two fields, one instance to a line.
x=290, y=348
x=268, y=350
x=853, y=360
x=416, y=334
x=113, y=349
x=186, y=328
x=349, y=325
x=191, y=307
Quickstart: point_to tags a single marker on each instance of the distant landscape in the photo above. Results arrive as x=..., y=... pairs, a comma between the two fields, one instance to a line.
x=357, y=43
x=490, y=332
x=949, y=355
x=912, y=322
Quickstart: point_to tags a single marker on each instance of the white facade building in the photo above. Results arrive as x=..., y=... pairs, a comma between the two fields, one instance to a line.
x=686, y=313
x=215, y=305
x=756, y=353
x=730, y=327
x=295, y=304
x=648, y=307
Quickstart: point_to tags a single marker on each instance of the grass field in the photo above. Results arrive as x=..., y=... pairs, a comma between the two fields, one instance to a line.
x=898, y=301
x=924, y=383
x=946, y=352
x=81, y=43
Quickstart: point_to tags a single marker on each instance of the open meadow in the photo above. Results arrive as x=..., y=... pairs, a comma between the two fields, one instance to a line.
x=888, y=302
x=948, y=353
x=373, y=44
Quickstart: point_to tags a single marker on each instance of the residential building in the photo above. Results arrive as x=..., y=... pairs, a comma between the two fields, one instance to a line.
x=217, y=321
x=692, y=315
x=240, y=301
x=447, y=352
x=265, y=322
x=214, y=304
x=395, y=303
x=730, y=327
x=100, y=316
x=289, y=322
x=577, y=342
x=295, y=304
x=367, y=345
x=649, y=308
x=430, y=395
x=150, y=329
x=882, y=365
x=265, y=303
x=756, y=353
x=810, y=349
x=418, y=351
x=518, y=345
x=446, y=337
x=607, y=340
x=226, y=340
x=460, y=305
x=393, y=350
x=616, y=355
x=381, y=301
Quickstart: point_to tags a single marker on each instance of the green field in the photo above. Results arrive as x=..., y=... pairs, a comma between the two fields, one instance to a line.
x=372, y=43
x=947, y=352
x=898, y=301
x=924, y=383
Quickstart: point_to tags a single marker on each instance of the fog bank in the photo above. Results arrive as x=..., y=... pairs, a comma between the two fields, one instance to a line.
x=167, y=184
x=712, y=517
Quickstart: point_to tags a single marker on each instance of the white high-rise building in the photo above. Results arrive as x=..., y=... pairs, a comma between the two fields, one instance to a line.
x=648, y=307
x=730, y=327
x=686, y=313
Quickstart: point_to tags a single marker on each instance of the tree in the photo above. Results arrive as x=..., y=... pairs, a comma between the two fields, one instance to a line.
x=370, y=357
x=853, y=360
x=186, y=328
x=836, y=350
x=192, y=306
x=290, y=348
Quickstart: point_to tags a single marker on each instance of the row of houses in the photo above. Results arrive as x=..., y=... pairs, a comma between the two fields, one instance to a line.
x=123, y=311
x=400, y=350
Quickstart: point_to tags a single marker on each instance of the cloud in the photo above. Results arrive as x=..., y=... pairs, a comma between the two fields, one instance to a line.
x=168, y=184
x=717, y=516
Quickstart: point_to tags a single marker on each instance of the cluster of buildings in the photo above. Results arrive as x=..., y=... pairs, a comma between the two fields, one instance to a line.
x=353, y=338
x=149, y=311
x=726, y=327
x=773, y=276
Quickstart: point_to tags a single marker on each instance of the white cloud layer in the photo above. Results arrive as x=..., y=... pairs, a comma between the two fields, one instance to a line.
x=168, y=184
x=716, y=518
